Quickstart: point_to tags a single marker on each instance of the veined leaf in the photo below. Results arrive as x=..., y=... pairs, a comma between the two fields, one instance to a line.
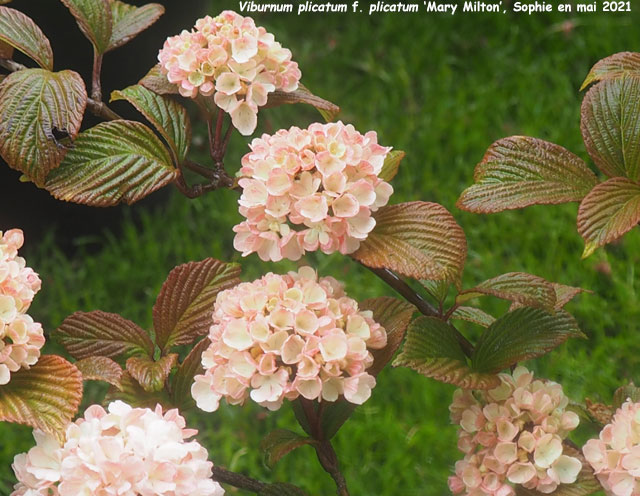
x=472, y=314
x=22, y=33
x=416, y=239
x=334, y=416
x=94, y=20
x=184, y=308
x=35, y=106
x=437, y=289
x=188, y=369
x=99, y=368
x=519, y=287
x=281, y=489
x=622, y=394
x=112, y=162
x=522, y=334
x=612, y=67
x=97, y=333
x=391, y=165
x=280, y=442
x=149, y=373
x=129, y=21
x=519, y=171
x=132, y=393
x=432, y=349
x=167, y=116
x=610, y=210
x=610, y=125
x=564, y=294
x=45, y=397
x=328, y=110
x=157, y=82
x=598, y=412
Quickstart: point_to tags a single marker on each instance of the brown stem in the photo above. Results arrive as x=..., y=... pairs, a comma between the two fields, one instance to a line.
x=237, y=480
x=225, y=141
x=96, y=87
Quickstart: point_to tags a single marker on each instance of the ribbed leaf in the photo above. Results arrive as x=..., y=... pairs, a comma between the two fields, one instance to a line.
x=99, y=368
x=613, y=67
x=598, y=412
x=94, y=20
x=129, y=21
x=149, y=373
x=184, y=308
x=97, y=333
x=564, y=294
x=522, y=334
x=167, y=116
x=610, y=125
x=112, y=162
x=182, y=381
x=520, y=171
x=416, y=239
x=609, y=211
x=432, y=349
x=45, y=397
x=157, y=82
x=280, y=442
x=132, y=393
x=38, y=111
x=22, y=33
x=472, y=314
x=391, y=165
x=328, y=110
x=519, y=287
x=281, y=489
x=437, y=289
x=622, y=394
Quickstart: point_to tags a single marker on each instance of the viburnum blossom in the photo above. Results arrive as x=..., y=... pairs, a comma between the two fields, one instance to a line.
x=124, y=451
x=288, y=336
x=615, y=456
x=310, y=189
x=20, y=337
x=513, y=435
x=234, y=60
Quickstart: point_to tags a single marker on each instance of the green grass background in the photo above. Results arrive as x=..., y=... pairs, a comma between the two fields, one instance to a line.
x=441, y=88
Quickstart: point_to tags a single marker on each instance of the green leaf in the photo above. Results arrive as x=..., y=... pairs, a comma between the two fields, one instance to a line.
x=519, y=171
x=132, y=393
x=45, y=396
x=183, y=379
x=23, y=34
x=520, y=335
x=167, y=116
x=38, y=111
x=613, y=67
x=184, y=308
x=129, y=21
x=416, y=239
x=519, y=287
x=334, y=416
x=280, y=442
x=112, y=162
x=281, y=489
x=99, y=368
x=610, y=125
x=432, y=349
x=437, y=289
x=328, y=110
x=94, y=20
x=609, y=211
x=149, y=373
x=391, y=165
x=472, y=314
x=622, y=394
x=97, y=333
x=157, y=82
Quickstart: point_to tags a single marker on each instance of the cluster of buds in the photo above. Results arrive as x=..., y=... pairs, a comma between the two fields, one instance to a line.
x=234, y=60
x=284, y=337
x=513, y=435
x=20, y=337
x=615, y=456
x=125, y=451
x=310, y=189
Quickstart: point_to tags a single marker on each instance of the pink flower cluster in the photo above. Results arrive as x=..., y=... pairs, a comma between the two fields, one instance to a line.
x=20, y=337
x=310, y=189
x=123, y=452
x=513, y=435
x=615, y=457
x=232, y=59
x=288, y=336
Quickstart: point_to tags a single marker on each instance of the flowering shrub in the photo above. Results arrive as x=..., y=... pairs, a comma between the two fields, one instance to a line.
x=513, y=434
x=615, y=456
x=288, y=336
x=310, y=189
x=20, y=337
x=232, y=59
x=123, y=451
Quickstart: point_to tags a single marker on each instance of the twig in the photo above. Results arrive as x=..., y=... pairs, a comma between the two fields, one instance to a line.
x=96, y=87
x=237, y=480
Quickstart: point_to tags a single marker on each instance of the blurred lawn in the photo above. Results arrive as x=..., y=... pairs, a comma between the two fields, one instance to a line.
x=441, y=88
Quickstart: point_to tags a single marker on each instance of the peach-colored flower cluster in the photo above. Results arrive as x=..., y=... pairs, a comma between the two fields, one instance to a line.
x=615, y=457
x=20, y=337
x=123, y=452
x=310, y=189
x=234, y=60
x=288, y=336
x=513, y=435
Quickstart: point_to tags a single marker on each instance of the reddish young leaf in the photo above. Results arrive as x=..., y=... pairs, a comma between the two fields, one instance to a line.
x=391, y=165
x=149, y=373
x=564, y=294
x=6, y=51
x=624, y=393
x=45, y=397
x=132, y=393
x=94, y=20
x=129, y=21
x=327, y=109
x=598, y=412
x=99, y=368
x=280, y=442
x=157, y=82
x=612, y=67
x=97, y=333
x=184, y=308
x=22, y=33
x=472, y=314
x=182, y=381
